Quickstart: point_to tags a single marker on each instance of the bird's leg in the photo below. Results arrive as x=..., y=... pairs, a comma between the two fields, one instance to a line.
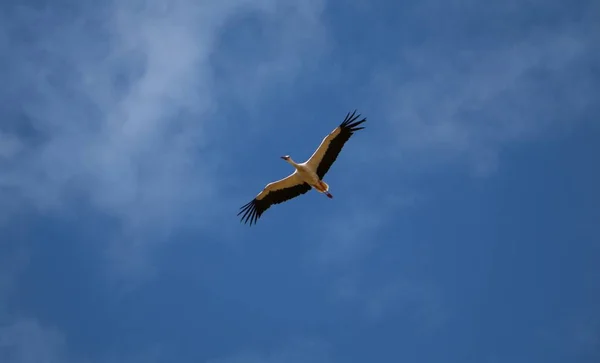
x=324, y=188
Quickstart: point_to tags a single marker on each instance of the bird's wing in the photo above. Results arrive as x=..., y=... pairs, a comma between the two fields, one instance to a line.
x=325, y=155
x=274, y=193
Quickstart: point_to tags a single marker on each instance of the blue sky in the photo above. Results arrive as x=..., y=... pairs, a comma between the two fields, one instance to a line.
x=464, y=224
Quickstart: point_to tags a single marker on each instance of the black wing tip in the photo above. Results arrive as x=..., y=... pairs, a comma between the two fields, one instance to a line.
x=349, y=118
x=250, y=213
x=350, y=124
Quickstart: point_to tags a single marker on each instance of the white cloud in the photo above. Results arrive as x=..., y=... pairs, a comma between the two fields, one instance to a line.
x=129, y=117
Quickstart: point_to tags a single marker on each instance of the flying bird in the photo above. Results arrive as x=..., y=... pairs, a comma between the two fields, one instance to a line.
x=307, y=175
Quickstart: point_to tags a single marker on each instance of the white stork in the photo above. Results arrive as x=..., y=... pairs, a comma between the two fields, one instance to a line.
x=307, y=175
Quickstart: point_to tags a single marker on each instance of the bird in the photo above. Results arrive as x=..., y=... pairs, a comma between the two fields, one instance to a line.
x=307, y=175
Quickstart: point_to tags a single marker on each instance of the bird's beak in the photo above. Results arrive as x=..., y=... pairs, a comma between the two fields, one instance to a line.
x=283, y=157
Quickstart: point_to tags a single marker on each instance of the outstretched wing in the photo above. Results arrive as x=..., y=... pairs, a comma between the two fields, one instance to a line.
x=274, y=193
x=325, y=155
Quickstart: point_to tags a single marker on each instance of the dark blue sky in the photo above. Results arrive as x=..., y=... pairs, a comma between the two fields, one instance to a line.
x=464, y=223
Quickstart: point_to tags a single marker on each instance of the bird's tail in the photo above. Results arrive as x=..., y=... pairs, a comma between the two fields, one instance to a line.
x=325, y=185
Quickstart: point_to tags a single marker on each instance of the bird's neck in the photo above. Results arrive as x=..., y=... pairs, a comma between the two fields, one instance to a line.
x=289, y=160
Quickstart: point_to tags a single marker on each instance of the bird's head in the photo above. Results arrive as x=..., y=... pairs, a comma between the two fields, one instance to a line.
x=286, y=157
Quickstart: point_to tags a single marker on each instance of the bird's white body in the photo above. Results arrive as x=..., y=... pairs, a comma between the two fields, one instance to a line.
x=308, y=175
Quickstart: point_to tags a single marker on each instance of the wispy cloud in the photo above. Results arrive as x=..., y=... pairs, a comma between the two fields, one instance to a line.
x=26, y=341
x=12, y=264
x=23, y=340
x=9, y=146
x=119, y=103
x=418, y=301
x=345, y=238
x=414, y=300
x=467, y=104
